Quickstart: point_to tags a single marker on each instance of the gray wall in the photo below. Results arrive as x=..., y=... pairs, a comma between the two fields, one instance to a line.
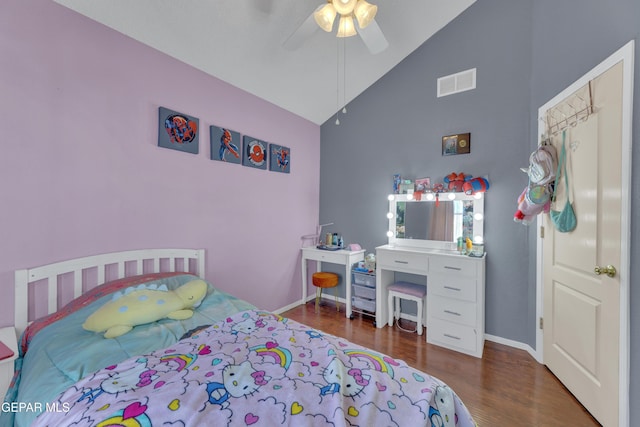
x=397, y=127
x=525, y=52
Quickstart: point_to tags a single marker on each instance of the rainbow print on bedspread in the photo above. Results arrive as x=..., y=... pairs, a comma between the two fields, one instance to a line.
x=256, y=368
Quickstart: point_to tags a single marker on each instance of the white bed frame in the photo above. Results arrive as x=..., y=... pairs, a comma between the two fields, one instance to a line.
x=113, y=266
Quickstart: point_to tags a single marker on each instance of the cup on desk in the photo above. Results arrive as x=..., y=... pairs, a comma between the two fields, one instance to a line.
x=478, y=249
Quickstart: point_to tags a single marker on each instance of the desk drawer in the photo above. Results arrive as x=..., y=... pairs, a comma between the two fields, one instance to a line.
x=329, y=256
x=452, y=310
x=403, y=261
x=451, y=335
x=452, y=286
x=452, y=265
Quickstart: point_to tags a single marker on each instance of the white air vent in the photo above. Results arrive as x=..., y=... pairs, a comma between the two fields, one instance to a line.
x=456, y=83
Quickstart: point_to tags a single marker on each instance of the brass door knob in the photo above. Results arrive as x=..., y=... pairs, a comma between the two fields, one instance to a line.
x=609, y=270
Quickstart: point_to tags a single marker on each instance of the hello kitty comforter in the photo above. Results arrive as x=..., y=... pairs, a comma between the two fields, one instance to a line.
x=256, y=369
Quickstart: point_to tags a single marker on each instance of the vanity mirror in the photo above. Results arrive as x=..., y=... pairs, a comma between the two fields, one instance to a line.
x=425, y=223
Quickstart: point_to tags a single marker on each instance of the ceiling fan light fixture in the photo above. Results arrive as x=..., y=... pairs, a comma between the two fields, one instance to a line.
x=325, y=16
x=344, y=7
x=365, y=12
x=346, y=27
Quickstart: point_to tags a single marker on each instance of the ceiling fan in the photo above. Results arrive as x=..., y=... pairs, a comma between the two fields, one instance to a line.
x=353, y=17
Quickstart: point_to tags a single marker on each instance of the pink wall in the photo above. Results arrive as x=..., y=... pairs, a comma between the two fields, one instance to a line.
x=82, y=174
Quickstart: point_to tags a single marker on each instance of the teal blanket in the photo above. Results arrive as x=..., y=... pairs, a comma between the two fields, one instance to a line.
x=57, y=352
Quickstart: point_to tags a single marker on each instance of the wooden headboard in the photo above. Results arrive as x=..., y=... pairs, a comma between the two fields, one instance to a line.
x=109, y=266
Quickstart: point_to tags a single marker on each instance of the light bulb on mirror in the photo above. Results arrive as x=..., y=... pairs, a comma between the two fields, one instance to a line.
x=478, y=216
x=451, y=196
x=430, y=196
x=389, y=233
x=391, y=197
x=389, y=215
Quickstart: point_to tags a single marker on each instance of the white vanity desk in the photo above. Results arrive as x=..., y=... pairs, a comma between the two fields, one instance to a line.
x=455, y=293
x=455, y=282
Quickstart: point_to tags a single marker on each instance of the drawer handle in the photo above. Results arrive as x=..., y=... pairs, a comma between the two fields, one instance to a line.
x=451, y=288
x=452, y=312
x=452, y=336
x=452, y=268
x=401, y=262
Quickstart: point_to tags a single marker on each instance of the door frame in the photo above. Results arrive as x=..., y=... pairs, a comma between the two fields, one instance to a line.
x=625, y=54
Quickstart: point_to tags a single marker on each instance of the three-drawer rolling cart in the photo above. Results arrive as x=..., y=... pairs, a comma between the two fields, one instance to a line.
x=363, y=293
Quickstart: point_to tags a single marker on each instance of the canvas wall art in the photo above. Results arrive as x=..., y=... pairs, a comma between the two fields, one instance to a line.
x=456, y=144
x=177, y=131
x=279, y=158
x=254, y=152
x=224, y=145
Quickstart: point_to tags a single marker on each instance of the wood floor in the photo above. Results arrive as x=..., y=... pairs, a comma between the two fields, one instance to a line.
x=505, y=388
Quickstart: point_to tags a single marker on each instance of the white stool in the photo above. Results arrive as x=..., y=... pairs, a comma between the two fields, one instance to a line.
x=411, y=292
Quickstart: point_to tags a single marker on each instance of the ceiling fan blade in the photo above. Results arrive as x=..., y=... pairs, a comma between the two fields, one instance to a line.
x=373, y=37
x=302, y=33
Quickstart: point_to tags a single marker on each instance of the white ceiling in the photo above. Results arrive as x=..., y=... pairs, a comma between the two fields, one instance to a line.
x=241, y=43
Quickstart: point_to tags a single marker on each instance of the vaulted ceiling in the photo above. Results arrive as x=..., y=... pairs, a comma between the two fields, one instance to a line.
x=256, y=45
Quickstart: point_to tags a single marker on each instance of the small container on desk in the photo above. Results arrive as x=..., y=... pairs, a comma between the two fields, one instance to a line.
x=363, y=299
x=9, y=345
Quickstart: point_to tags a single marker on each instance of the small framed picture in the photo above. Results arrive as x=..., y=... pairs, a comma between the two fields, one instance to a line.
x=279, y=158
x=177, y=131
x=456, y=144
x=255, y=153
x=225, y=145
x=423, y=185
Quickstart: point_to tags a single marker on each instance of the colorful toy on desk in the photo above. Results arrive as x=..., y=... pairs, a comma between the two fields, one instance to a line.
x=469, y=244
x=438, y=188
x=370, y=261
x=396, y=183
x=456, y=181
x=363, y=267
x=475, y=185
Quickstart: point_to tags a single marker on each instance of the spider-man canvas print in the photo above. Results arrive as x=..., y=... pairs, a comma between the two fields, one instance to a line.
x=279, y=158
x=177, y=131
x=225, y=145
x=255, y=153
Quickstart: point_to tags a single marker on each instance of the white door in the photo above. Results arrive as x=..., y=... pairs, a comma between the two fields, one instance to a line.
x=583, y=332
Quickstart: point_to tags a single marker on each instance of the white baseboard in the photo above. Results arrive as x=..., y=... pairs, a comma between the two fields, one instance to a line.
x=514, y=344
x=511, y=343
x=293, y=305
